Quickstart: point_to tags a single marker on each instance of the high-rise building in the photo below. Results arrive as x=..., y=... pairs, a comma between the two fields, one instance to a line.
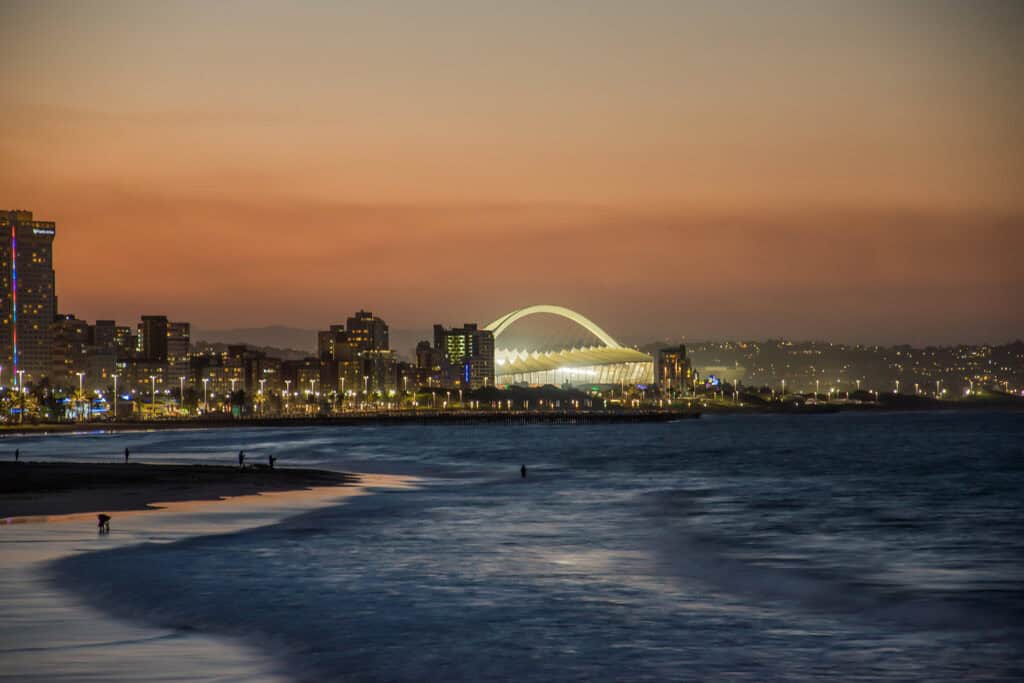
x=125, y=341
x=28, y=298
x=104, y=334
x=153, y=331
x=367, y=333
x=428, y=365
x=71, y=340
x=332, y=344
x=355, y=358
x=674, y=372
x=467, y=356
x=178, y=347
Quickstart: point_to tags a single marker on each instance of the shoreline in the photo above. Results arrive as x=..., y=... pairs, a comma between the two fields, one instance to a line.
x=454, y=418
x=46, y=489
x=359, y=420
x=50, y=632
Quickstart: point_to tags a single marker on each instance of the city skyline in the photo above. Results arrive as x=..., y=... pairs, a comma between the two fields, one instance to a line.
x=583, y=340
x=674, y=171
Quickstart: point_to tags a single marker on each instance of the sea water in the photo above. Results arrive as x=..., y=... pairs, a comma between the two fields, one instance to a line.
x=743, y=548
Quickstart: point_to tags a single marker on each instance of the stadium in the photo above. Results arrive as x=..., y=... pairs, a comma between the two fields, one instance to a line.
x=604, y=363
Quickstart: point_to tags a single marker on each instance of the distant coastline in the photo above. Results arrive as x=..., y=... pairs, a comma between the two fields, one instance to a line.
x=562, y=417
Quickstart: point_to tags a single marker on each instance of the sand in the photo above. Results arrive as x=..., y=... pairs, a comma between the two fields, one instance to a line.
x=49, y=636
x=60, y=488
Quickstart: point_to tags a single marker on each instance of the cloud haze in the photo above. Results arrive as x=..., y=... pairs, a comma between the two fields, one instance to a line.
x=707, y=170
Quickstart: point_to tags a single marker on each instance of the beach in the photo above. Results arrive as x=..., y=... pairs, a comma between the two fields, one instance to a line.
x=47, y=633
x=60, y=488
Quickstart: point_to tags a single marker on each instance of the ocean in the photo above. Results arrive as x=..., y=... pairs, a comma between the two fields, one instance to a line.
x=849, y=547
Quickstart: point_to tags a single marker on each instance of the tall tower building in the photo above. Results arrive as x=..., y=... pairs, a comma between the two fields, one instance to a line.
x=675, y=372
x=28, y=297
x=153, y=333
x=179, y=339
x=467, y=355
x=367, y=332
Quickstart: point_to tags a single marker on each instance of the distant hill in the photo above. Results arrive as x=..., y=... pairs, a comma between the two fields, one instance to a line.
x=298, y=339
x=276, y=336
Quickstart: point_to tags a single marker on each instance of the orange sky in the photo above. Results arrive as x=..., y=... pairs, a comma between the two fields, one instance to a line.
x=831, y=170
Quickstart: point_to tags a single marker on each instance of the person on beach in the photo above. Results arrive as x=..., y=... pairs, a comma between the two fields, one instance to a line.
x=241, y=459
x=271, y=459
x=104, y=523
x=17, y=454
x=126, y=455
x=522, y=471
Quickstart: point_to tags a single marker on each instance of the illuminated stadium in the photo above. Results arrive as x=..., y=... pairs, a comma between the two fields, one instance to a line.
x=603, y=363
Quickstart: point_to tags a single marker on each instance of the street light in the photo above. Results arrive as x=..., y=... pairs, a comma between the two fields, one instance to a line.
x=152, y=391
x=81, y=390
x=287, y=392
x=181, y=392
x=115, y=394
x=206, y=396
x=21, y=389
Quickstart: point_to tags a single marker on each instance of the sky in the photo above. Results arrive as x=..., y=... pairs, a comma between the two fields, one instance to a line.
x=849, y=171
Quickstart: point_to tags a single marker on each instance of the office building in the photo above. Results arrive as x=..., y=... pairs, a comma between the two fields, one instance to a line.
x=674, y=372
x=355, y=358
x=104, y=334
x=178, y=347
x=28, y=299
x=428, y=365
x=367, y=332
x=72, y=340
x=467, y=356
x=153, y=332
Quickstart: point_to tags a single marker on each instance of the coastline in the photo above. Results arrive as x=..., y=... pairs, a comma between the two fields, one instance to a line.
x=31, y=489
x=49, y=633
x=516, y=417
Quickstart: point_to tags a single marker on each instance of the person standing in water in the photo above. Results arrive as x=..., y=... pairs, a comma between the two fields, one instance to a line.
x=522, y=471
x=270, y=460
x=241, y=459
x=126, y=455
x=17, y=454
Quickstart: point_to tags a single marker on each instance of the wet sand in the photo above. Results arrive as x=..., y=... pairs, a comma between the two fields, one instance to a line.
x=49, y=635
x=31, y=489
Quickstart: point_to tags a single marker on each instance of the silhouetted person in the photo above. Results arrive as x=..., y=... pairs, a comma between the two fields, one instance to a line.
x=522, y=471
x=104, y=523
x=126, y=455
x=271, y=459
x=241, y=459
x=17, y=454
